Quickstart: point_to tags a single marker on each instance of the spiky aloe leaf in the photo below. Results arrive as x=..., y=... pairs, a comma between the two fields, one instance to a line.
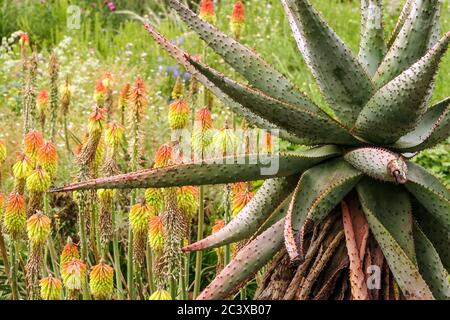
x=378, y=163
x=313, y=128
x=432, y=129
x=330, y=60
x=372, y=47
x=388, y=212
x=247, y=262
x=271, y=194
x=212, y=171
x=318, y=191
x=430, y=265
x=430, y=192
x=411, y=42
x=435, y=232
x=396, y=108
x=181, y=58
x=245, y=61
x=400, y=22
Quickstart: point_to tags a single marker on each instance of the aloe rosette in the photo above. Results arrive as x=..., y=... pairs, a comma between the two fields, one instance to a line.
x=381, y=117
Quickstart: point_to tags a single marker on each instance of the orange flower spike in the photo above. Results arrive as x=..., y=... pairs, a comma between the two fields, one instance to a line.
x=108, y=80
x=14, y=218
x=69, y=252
x=24, y=39
x=207, y=11
x=237, y=20
x=156, y=233
x=38, y=181
x=138, y=97
x=100, y=92
x=33, y=141
x=163, y=156
x=240, y=200
x=218, y=224
x=47, y=157
x=204, y=118
x=38, y=228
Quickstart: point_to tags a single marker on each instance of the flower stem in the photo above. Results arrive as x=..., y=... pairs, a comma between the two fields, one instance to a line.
x=149, y=261
x=116, y=257
x=199, y=254
x=12, y=252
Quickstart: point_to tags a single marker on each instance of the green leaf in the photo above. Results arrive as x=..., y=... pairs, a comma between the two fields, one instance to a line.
x=314, y=129
x=212, y=171
x=268, y=198
x=245, y=61
x=319, y=190
x=388, y=212
x=412, y=41
x=433, y=129
x=332, y=63
x=397, y=108
x=430, y=266
x=247, y=262
x=435, y=232
x=400, y=22
x=181, y=58
x=372, y=47
x=378, y=163
x=430, y=192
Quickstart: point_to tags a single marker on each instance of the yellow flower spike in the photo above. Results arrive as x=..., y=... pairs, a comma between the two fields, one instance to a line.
x=114, y=134
x=154, y=197
x=66, y=94
x=96, y=118
x=69, y=252
x=177, y=91
x=224, y=142
x=38, y=181
x=108, y=80
x=74, y=274
x=51, y=288
x=14, y=218
x=38, y=228
x=207, y=11
x=160, y=294
x=187, y=199
x=33, y=141
x=2, y=203
x=156, y=233
x=2, y=151
x=48, y=158
x=178, y=114
x=139, y=216
x=124, y=97
x=22, y=167
x=101, y=281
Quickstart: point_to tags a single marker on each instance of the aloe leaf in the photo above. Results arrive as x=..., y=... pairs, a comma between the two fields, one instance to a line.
x=434, y=128
x=412, y=40
x=313, y=128
x=388, y=212
x=430, y=192
x=271, y=194
x=245, y=61
x=212, y=171
x=332, y=63
x=247, y=262
x=318, y=191
x=181, y=58
x=380, y=164
x=397, y=108
x=435, y=232
x=430, y=265
x=372, y=47
x=400, y=21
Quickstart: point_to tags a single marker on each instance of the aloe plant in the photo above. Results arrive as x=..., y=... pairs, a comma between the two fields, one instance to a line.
x=360, y=154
